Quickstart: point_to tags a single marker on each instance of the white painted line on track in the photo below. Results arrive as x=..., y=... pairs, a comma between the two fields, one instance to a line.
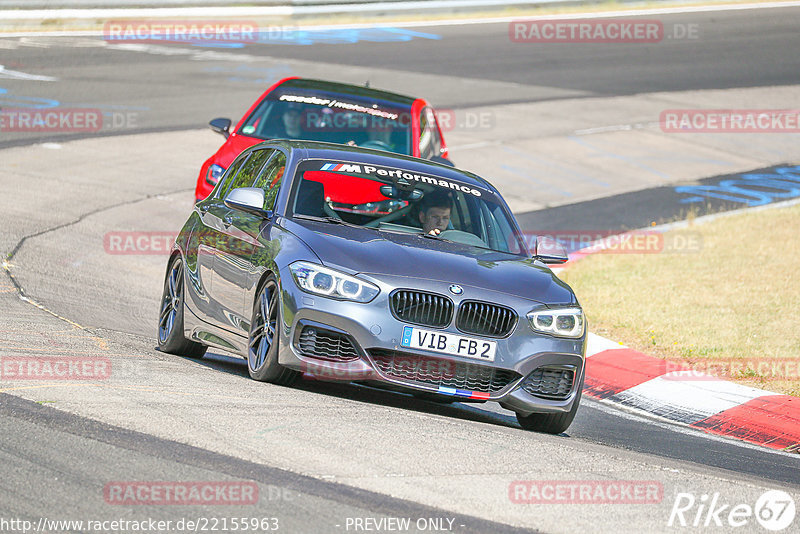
x=480, y=144
x=17, y=75
x=617, y=128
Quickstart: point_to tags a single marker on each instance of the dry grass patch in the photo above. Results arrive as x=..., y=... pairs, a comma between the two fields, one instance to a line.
x=731, y=307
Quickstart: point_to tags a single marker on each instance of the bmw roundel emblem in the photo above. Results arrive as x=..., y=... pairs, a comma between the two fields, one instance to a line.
x=456, y=289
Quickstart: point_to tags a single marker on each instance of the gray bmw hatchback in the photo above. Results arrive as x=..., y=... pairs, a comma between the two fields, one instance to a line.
x=359, y=265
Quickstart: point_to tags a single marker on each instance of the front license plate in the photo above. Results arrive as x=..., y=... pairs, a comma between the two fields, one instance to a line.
x=479, y=349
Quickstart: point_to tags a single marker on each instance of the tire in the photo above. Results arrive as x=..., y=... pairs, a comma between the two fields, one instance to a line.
x=170, y=316
x=551, y=423
x=264, y=339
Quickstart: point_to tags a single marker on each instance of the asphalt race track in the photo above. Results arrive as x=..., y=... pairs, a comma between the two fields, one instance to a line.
x=731, y=50
x=566, y=131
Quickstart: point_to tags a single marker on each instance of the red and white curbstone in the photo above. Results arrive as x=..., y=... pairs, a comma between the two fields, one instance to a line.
x=622, y=375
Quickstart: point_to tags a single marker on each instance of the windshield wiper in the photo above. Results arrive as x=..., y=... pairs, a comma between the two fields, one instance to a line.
x=330, y=220
x=437, y=237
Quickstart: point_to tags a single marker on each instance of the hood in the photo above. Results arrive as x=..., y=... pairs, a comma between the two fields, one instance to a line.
x=367, y=251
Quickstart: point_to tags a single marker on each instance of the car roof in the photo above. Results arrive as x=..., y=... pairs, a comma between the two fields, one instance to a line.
x=321, y=150
x=344, y=88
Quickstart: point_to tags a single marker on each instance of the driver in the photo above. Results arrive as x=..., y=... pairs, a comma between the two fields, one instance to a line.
x=434, y=213
x=291, y=121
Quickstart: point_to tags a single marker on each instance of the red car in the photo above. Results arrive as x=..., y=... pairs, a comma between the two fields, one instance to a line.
x=316, y=110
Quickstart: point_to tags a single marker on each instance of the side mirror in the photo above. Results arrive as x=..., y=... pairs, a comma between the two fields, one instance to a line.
x=221, y=126
x=249, y=200
x=548, y=250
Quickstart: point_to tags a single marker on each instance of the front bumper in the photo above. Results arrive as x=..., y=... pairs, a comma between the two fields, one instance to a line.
x=523, y=358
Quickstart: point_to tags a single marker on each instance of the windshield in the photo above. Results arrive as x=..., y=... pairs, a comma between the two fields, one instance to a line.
x=332, y=118
x=398, y=200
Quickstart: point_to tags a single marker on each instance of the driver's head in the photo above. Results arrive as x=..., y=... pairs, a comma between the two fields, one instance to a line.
x=434, y=213
x=291, y=120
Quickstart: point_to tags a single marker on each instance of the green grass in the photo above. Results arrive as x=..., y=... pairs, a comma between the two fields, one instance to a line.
x=733, y=300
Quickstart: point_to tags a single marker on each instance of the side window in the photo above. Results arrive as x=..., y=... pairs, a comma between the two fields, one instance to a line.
x=248, y=172
x=437, y=140
x=461, y=216
x=429, y=143
x=507, y=241
x=270, y=179
x=425, y=139
x=227, y=178
x=499, y=233
x=260, y=121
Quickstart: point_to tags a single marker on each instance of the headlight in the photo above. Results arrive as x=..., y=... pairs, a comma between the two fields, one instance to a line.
x=214, y=173
x=329, y=283
x=565, y=322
